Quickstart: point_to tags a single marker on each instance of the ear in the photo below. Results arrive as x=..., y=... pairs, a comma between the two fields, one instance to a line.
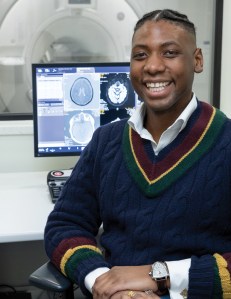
x=198, y=61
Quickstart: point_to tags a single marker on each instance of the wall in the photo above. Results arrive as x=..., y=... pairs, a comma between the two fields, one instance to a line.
x=17, y=150
x=18, y=259
x=226, y=64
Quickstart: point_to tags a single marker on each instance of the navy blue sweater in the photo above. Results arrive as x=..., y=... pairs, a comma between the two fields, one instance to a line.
x=169, y=207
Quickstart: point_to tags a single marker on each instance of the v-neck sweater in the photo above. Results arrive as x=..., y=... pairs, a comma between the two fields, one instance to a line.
x=172, y=206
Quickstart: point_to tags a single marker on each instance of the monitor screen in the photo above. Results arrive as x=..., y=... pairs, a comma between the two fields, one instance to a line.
x=71, y=100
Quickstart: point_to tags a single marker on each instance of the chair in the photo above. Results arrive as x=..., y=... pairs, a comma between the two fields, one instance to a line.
x=49, y=278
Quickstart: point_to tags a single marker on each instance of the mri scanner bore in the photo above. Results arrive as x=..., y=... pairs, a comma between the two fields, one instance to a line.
x=63, y=31
x=58, y=31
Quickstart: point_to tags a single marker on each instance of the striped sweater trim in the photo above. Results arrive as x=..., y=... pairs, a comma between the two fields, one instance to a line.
x=165, y=172
x=217, y=289
x=224, y=274
x=227, y=257
x=81, y=252
x=70, y=252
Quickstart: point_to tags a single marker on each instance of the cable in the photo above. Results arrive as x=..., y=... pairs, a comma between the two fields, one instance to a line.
x=8, y=286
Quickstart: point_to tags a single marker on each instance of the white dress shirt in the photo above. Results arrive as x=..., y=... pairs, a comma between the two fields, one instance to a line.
x=178, y=270
x=137, y=118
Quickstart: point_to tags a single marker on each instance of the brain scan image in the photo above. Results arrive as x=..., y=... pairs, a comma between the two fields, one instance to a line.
x=81, y=92
x=113, y=115
x=82, y=126
x=117, y=92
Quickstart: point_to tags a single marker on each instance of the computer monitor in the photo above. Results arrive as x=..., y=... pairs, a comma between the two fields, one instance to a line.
x=71, y=100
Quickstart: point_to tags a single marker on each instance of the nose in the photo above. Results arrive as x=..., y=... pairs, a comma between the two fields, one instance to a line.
x=154, y=64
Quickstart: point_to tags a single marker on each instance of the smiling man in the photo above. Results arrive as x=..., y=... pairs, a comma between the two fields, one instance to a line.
x=159, y=183
x=163, y=61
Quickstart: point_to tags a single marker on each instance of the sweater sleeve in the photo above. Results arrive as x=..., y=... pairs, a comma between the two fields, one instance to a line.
x=210, y=276
x=72, y=226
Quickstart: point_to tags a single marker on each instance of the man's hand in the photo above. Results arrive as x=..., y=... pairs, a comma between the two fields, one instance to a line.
x=123, y=278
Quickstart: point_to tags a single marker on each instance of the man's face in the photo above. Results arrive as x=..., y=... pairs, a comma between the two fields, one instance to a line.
x=164, y=58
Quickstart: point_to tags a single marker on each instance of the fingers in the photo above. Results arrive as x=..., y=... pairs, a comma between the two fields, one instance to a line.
x=121, y=279
x=105, y=286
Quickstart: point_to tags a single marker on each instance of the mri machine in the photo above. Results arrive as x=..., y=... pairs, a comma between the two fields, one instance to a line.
x=58, y=31
x=78, y=31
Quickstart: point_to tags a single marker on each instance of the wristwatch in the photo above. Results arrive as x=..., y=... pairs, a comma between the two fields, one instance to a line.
x=159, y=272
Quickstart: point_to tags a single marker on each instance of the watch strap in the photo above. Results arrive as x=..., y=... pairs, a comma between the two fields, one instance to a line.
x=162, y=286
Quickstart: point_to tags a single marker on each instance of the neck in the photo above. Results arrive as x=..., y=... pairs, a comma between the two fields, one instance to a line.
x=156, y=124
x=157, y=121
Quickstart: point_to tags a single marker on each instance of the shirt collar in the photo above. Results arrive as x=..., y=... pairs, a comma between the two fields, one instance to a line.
x=137, y=119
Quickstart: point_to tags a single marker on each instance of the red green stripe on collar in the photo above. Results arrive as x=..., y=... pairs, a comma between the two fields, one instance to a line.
x=155, y=177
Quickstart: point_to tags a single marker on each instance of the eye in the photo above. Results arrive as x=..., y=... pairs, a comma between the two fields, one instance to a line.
x=139, y=55
x=171, y=53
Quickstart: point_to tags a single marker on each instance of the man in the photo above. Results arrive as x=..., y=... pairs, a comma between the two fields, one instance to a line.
x=160, y=183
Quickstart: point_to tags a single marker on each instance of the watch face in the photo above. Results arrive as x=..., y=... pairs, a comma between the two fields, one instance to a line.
x=159, y=270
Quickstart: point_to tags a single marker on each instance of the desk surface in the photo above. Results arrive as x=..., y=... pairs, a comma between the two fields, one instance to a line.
x=25, y=203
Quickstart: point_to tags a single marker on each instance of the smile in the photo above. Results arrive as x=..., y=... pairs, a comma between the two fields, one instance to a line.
x=157, y=86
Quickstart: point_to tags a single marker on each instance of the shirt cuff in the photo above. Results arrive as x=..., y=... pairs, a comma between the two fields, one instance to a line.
x=179, y=278
x=91, y=277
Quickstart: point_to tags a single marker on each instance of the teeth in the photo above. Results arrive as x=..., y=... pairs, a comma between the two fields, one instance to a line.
x=157, y=84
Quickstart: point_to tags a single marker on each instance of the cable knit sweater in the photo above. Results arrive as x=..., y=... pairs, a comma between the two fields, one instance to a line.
x=172, y=206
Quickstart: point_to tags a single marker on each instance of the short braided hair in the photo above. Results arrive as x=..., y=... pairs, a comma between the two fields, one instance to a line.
x=168, y=15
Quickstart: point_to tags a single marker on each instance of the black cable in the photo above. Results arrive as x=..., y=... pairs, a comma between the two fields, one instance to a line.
x=8, y=286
